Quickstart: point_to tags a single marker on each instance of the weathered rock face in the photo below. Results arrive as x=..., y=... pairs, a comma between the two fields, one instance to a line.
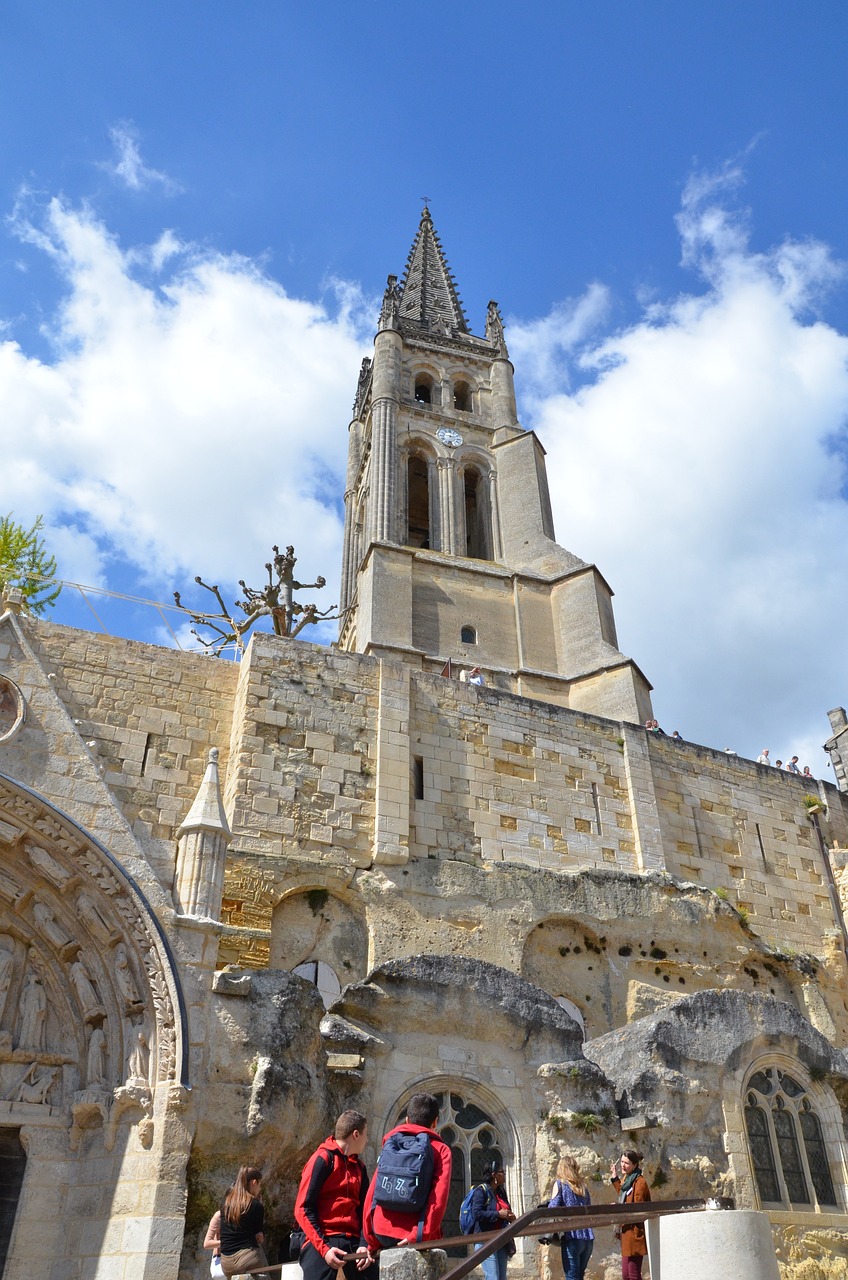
x=265, y=1097
x=444, y=994
x=710, y=1031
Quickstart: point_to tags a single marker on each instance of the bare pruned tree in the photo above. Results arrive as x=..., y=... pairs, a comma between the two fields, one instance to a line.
x=275, y=601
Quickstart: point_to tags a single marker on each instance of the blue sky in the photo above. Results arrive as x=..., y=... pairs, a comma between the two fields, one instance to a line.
x=203, y=201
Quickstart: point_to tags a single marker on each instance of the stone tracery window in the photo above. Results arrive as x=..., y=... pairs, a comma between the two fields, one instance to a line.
x=786, y=1142
x=474, y=1140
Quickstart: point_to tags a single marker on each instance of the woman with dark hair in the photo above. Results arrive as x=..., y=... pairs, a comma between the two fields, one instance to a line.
x=576, y=1244
x=490, y=1209
x=242, y=1220
x=632, y=1189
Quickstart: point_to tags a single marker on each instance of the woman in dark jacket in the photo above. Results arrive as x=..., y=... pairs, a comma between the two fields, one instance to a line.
x=632, y=1189
x=242, y=1222
x=490, y=1209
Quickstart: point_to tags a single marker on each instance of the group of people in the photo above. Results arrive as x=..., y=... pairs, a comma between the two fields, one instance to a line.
x=763, y=758
x=791, y=766
x=344, y=1219
x=652, y=726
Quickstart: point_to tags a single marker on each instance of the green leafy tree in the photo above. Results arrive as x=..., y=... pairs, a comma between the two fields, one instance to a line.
x=24, y=562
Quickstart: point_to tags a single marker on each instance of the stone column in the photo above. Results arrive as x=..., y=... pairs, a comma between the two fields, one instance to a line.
x=202, y=841
x=730, y=1242
x=644, y=810
x=384, y=453
x=448, y=531
x=349, y=566
x=391, y=808
x=494, y=517
x=504, y=413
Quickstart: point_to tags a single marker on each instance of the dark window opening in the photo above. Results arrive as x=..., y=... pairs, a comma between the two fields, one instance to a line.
x=12, y=1166
x=468, y=635
x=462, y=397
x=418, y=503
x=423, y=391
x=476, y=530
x=417, y=778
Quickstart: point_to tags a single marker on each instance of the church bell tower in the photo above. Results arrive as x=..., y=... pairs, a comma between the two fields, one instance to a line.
x=449, y=550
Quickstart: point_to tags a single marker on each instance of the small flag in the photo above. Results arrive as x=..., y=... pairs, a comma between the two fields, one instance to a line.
x=447, y=670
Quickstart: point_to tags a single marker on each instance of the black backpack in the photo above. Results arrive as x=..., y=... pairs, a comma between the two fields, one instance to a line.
x=405, y=1172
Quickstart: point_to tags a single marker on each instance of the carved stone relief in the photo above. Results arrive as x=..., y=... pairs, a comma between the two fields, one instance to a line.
x=86, y=1014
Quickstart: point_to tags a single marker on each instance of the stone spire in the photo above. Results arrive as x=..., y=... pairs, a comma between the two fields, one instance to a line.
x=202, y=841
x=429, y=299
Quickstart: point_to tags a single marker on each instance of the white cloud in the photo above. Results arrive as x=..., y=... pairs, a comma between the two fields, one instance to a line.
x=129, y=169
x=184, y=427
x=195, y=413
x=702, y=469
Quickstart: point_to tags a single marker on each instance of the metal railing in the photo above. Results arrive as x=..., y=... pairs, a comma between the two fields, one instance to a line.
x=545, y=1221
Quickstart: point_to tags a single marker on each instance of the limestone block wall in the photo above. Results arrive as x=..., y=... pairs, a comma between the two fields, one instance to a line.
x=343, y=762
x=151, y=713
x=741, y=828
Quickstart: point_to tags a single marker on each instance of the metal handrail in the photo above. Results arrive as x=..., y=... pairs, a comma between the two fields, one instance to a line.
x=542, y=1220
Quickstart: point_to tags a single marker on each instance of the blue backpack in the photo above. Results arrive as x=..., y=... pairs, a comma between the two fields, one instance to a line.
x=467, y=1221
x=405, y=1172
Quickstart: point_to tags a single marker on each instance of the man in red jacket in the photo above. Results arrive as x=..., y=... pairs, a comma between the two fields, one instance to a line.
x=384, y=1226
x=330, y=1203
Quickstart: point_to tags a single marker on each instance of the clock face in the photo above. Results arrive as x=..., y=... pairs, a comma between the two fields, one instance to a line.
x=447, y=435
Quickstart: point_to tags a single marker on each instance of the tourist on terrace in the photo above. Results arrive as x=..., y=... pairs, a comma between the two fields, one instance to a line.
x=763, y=757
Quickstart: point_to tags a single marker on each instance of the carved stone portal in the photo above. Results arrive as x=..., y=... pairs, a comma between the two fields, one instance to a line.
x=87, y=1018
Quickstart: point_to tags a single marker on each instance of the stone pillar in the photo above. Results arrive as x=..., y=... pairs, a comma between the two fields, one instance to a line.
x=495, y=518
x=448, y=532
x=391, y=809
x=504, y=413
x=349, y=565
x=202, y=841
x=384, y=454
x=644, y=810
x=734, y=1242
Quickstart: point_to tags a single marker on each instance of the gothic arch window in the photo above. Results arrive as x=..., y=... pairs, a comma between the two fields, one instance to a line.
x=319, y=973
x=474, y=1139
x=476, y=500
x=468, y=635
x=463, y=397
x=423, y=388
x=418, y=502
x=786, y=1142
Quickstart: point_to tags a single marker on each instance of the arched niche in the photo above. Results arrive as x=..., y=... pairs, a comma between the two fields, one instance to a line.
x=566, y=959
x=313, y=926
x=93, y=1048
x=90, y=1003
